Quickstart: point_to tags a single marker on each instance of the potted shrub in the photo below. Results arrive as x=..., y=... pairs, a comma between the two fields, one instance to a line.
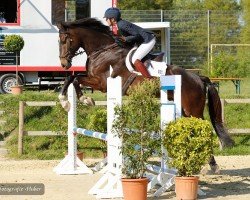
x=188, y=142
x=14, y=43
x=137, y=120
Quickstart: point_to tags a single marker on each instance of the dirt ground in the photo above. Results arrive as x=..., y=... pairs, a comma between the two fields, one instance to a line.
x=233, y=182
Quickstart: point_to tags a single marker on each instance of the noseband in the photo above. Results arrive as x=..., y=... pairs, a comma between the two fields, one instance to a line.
x=68, y=55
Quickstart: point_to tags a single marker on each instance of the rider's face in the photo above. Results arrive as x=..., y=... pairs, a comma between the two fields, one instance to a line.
x=111, y=21
x=108, y=21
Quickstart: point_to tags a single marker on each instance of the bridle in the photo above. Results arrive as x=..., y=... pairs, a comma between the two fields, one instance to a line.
x=68, y=55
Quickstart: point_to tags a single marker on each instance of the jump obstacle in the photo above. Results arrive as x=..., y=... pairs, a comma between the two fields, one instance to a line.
x=170, y=111
x=71, y=164
x=109, y=186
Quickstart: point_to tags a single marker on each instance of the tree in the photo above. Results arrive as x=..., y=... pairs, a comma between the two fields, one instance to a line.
x=244, y=52
x=189, y=28
x=245, y=33
x=188, y=5
x=221, y=5
x=164, y=4
x=189, y=25
x=145, y=4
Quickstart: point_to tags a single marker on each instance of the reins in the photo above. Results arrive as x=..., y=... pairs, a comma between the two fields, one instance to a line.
x=102, y=49
x=68, y=53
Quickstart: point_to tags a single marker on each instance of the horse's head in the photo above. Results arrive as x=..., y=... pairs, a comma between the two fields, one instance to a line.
x=68, y=45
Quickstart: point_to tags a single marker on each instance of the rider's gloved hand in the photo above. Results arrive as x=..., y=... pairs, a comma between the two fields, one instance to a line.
x=122, y=38
x=119, y=41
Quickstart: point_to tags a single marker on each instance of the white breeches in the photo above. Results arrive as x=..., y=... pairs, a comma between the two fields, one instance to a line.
x=143, y=50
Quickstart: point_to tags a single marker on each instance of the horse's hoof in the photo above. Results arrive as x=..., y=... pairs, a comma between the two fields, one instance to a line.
x=82, y=99
x=204, y=170
x=62, y=97
x=89, y=101
x=228, y=143
x=215, y=169
x=65, y=105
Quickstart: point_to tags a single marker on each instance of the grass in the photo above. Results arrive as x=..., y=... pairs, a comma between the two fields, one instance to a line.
x=43, y=119
x=236, y=116
x=241, y=147
x=55, y=119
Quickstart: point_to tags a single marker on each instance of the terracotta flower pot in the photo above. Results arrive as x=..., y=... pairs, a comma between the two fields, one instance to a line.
x=186, y=188
x=135, y=189
x=17, y=89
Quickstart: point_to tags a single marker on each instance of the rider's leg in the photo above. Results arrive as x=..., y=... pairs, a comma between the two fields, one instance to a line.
x=142, y=51
x=139, y=66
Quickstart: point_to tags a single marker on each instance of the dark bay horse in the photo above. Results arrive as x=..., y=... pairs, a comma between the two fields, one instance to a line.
x=102, y=52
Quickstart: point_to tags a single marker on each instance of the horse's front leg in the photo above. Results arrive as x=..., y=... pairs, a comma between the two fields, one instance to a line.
x=63, y=94
x=86, y=100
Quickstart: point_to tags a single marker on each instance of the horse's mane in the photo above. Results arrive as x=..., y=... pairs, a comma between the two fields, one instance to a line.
x=91, y=23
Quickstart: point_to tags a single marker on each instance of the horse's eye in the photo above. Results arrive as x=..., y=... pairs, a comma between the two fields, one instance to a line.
x=63, y=38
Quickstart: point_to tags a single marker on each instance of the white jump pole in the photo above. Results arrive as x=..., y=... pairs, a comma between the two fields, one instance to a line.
x=109, y=186
x=174, y=110
x=71, y=164
x=170, y=110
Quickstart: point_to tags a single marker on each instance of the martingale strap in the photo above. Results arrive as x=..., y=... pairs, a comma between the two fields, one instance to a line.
x=105, y=48
x=128, y=82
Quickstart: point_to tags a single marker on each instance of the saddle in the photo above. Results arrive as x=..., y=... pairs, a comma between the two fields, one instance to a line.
x=154, y=63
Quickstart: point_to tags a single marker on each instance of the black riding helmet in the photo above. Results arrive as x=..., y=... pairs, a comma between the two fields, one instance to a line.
x=113, y=13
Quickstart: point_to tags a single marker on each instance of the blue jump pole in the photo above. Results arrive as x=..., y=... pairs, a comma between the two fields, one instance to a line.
x=101, y=136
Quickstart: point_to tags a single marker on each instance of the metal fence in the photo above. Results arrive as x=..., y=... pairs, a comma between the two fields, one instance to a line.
x=192, y=31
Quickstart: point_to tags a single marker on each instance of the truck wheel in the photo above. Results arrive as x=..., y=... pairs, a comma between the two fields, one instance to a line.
x=7, y=81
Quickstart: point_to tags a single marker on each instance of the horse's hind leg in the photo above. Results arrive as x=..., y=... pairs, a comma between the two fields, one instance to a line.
x=213, y=165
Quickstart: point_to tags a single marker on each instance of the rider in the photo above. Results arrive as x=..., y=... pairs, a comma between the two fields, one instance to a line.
x=131, y=33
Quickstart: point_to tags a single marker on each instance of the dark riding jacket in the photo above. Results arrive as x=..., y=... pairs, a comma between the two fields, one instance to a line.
x=133, y=33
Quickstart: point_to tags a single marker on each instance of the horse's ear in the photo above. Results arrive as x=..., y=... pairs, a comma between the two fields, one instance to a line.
x=60, y=26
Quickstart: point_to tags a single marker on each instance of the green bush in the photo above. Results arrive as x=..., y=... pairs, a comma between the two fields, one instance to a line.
x=188, y=142
x=97, y=121
x=14, y=43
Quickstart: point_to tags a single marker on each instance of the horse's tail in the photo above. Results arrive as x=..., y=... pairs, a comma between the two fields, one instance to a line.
x=215, y=112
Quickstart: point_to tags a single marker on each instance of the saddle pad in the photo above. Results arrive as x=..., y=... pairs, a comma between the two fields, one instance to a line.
x=154, y=68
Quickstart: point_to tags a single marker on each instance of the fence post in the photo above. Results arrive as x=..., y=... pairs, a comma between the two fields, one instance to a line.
x=208, y=41
x=21, y=127
x=223, y=110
